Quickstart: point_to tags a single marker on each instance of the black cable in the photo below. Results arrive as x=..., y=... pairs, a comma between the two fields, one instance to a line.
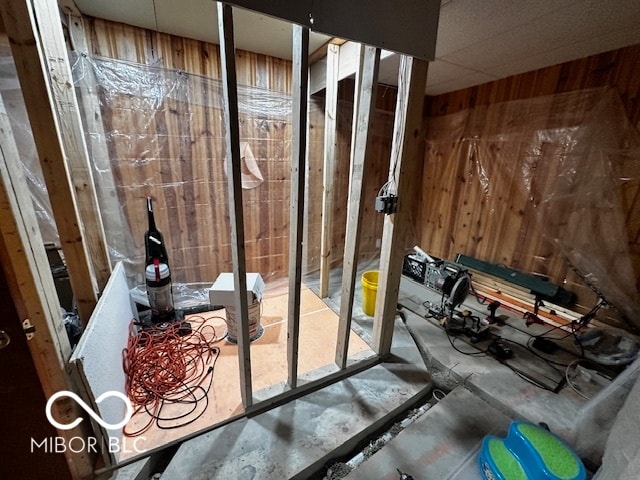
x=548, y=360
x=195, y=401
x=527, y=378
x=477, y=353
x=477, y=295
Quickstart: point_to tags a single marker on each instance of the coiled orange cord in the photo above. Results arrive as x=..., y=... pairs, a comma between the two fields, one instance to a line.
x=166, y=367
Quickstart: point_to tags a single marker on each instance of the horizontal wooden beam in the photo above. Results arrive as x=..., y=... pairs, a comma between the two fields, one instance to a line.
x=348, y=66
x=321, y=52
x=409, y=27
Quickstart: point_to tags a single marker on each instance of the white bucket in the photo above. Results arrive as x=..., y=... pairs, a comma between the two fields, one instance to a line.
x=255, y=329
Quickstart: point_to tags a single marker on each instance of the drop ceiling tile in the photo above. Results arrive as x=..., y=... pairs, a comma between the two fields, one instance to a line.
x=441, y=71
x=138, y=13
x=456, y=82
x=197, y=20
x=565, y=53
x=466, y=22
x=566, y=26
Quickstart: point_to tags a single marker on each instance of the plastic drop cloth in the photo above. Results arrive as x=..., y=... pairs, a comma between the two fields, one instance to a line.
x=547, y=185
x=621, y=459
x=159, y=132
x=16, y=110
x=162, y=135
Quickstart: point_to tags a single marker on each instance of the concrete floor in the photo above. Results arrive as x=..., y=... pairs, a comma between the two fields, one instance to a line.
x=302, y=438
x=297, y=439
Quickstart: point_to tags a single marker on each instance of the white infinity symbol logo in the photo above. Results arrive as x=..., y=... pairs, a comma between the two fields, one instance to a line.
x=87, y=408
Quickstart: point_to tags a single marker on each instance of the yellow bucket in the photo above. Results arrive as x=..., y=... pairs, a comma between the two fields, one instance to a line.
x=369, y=289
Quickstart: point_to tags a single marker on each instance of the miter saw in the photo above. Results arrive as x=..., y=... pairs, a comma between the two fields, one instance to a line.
x=449, y=282
x=447, y=285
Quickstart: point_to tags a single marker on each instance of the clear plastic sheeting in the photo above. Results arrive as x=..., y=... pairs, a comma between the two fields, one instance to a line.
x=158, y=132
x=16, y=110
x=621, y=459
x=597, y=429
x=161, y=133
x=582, y=210
x=547, y=185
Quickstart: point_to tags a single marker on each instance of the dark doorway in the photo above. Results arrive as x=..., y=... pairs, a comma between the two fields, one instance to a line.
x=22, y=404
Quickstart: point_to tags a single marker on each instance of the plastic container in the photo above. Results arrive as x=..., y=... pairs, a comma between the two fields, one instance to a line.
x=529, y=452
x=159, y=293
x=369, y=290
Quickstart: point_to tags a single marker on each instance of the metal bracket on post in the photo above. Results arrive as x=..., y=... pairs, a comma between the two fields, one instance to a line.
x=28, y=328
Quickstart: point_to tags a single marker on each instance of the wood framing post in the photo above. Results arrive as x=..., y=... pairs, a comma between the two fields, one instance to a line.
x=115, y=225
x=232, y=138
x=25, y=263
x=359, y=168
x=47, y=16
x=45, y=83
x=298, y=169
x=405, y=158
x=330, y=134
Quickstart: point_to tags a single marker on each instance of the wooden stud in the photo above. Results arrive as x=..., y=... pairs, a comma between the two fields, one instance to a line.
x=47, y=16
x=23, y=257
x=330, y=140
x=405, y=157
x=36, y=82
x=298, y=169
x=234, y=182
x=359, y=168
x=112, y=212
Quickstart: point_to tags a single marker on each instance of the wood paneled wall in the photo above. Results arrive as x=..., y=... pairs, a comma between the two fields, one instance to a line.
x=380, y=155
x=175, y=153
x=618, y=69
x=192, y=211
x=460, y=215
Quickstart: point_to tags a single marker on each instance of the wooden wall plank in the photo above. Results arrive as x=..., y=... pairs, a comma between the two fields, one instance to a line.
x=266, y=208
x=227, y=54
x=35, y=78
x=359, y=171
x=616, y=68
x=456, y=213
x=298, y=170
x=142, y=160
x=328, y=173
x=405, y=172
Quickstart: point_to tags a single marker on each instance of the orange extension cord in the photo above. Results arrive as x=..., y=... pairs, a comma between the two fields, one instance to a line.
x=169, y=375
